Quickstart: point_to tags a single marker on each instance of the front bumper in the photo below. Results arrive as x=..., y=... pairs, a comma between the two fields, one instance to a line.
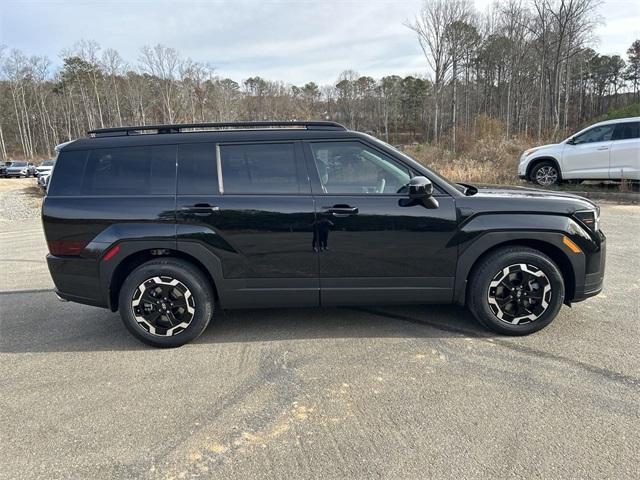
x=522, y=168
x=594, y=277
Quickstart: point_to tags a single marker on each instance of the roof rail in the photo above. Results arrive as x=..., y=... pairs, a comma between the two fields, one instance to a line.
x=182, y=127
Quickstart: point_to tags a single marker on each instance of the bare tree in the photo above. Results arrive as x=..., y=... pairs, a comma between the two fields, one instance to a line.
x=163, y=64
x=431, y=26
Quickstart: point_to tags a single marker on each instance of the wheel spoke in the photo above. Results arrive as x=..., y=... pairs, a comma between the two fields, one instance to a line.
x=179, y=302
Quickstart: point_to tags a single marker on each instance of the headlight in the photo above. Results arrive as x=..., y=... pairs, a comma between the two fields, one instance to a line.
x=530, y=151
x=590, y=218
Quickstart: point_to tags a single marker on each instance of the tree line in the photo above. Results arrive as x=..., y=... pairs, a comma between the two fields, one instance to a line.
x=528, y=63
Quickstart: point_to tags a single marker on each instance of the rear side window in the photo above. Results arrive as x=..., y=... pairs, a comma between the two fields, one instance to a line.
x=197, y=170
x=626, y=131
x=147, y=170
x=268, y=168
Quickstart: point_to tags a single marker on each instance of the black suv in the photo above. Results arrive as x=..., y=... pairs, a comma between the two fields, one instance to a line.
x=167, y=222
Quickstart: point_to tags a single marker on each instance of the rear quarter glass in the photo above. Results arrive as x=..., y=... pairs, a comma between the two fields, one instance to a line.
x=66, y=180
x=140, y=170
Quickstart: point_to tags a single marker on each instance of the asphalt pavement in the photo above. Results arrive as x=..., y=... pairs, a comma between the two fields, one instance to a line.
x=364, y=393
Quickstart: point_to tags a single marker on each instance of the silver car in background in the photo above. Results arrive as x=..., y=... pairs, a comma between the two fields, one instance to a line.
x=45, y=167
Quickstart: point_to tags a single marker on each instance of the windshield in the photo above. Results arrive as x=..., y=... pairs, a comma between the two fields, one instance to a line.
x=19, y=164
x=47, y=163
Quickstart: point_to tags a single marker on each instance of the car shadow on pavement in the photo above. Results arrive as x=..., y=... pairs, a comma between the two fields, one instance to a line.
x=39, y=323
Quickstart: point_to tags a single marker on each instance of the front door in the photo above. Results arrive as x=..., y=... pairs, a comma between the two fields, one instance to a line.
x=588, y=155
x=372, y=246
x=251, y=205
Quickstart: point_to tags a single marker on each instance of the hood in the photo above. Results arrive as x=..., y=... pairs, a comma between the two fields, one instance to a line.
x=541, y=147
x=526, y=200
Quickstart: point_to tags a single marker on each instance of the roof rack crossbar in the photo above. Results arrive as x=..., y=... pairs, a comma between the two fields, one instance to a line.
x=180, y=127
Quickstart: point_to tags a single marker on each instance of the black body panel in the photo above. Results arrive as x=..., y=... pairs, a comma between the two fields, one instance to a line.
x=307, y=248
x=263, y=244
x=386, y=252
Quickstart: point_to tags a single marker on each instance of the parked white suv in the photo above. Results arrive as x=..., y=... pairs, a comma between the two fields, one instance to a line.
x=605, y=151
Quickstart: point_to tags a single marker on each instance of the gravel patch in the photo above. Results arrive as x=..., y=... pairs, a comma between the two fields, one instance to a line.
x=20, y=204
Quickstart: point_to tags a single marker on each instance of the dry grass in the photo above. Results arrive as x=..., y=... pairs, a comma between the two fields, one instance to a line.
x=482, y=156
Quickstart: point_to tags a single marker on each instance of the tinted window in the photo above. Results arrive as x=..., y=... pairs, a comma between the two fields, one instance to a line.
x=354, y=168
x=263, y=168
x=197, y=171
x=603, y=133
x=147, y=170
x=67, y=176
x=626, y=131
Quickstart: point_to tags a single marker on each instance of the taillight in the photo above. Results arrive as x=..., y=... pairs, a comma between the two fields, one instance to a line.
x=66, y=247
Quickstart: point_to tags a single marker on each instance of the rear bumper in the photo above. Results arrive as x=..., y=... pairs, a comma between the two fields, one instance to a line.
x=76, y=280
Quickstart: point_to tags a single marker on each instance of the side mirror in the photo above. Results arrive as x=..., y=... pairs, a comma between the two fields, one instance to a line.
x=420, y=191
x=420, y=188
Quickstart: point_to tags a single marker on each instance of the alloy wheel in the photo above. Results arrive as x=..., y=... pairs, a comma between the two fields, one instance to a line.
x=546, y=175
x=519, y=294
x=163, y=306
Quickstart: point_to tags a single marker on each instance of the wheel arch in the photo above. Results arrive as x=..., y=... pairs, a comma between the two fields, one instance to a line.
x=547, y=243
x=538, y=160
x=115, y=278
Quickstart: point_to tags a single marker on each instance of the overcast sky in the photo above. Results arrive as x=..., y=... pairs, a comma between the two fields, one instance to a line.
x=291, y=40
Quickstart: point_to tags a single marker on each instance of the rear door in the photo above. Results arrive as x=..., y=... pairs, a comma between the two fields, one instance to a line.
x=625, y=152
x=372, y=246
x=588, y=156
x=251, y=205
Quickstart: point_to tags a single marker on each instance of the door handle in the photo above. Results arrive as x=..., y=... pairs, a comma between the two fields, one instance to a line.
x=603, y=148
x=201, y=209
x=341, y=210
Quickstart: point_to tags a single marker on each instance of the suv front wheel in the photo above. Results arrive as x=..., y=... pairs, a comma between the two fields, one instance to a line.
x=545, y=174
x=166, y=302
x=516, y=291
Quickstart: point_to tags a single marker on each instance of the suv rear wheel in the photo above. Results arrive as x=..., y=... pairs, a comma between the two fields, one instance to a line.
x=545, y=174
x=516, y=291
x=166, y=302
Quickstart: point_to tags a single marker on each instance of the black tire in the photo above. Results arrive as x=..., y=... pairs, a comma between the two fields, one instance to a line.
x=200, y=300
x=545, y=174
x=492, y=268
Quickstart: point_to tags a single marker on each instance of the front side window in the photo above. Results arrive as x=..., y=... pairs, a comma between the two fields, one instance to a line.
x=627, y=131
x=353, y=168
x=268, y=168
x=603, y=133
x=147, y=170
